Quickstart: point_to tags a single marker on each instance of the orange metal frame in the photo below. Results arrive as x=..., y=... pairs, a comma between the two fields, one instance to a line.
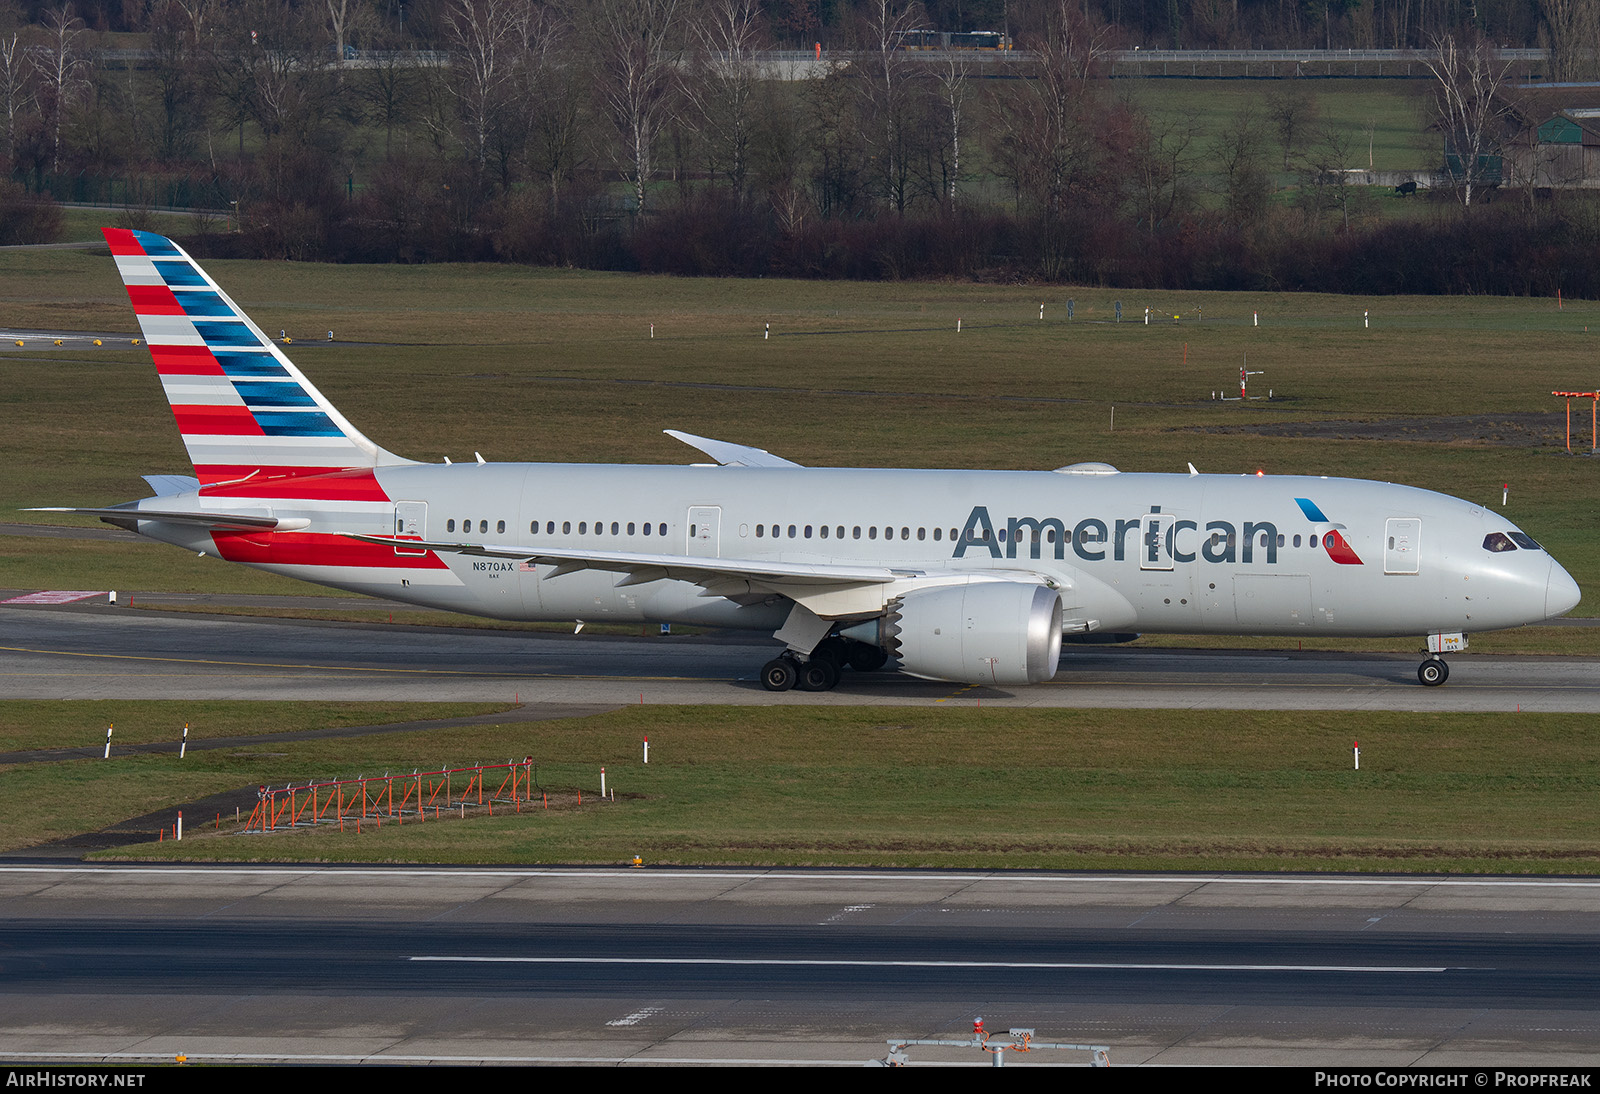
x=1594, y=416
x=335, y=801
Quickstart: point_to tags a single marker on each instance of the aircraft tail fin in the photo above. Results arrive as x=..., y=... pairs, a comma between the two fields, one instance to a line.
x=247, y=414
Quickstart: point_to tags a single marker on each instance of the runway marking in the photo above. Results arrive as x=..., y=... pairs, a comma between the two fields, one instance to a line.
x=632, y=1059
x=636, y=1017
x=447, y=875
x=54, y=596
x=809, y=962
x=301, y=669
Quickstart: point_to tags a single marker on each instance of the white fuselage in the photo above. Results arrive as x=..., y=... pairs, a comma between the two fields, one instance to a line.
x=1130, y=552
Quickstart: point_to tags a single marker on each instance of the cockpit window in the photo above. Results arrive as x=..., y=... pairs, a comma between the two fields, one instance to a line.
x=1525, y=541
x=1498, y=541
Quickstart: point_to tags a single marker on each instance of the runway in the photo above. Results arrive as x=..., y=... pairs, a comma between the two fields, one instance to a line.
x=92, y=651
x=132, y=964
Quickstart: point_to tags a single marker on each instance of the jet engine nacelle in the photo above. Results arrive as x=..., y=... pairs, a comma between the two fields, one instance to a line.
x=991, y=632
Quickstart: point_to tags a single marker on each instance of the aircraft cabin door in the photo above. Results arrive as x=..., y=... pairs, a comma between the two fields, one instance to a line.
x=1402, y=545
x=1155, y=541
x=410, y=522
x=705, y=531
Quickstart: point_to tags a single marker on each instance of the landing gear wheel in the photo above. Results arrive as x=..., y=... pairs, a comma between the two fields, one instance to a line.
x=779, y=674
x=818, y=674
x=1433, y=672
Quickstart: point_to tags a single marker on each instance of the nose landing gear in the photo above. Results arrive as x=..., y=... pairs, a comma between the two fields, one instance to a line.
x=1433, y=672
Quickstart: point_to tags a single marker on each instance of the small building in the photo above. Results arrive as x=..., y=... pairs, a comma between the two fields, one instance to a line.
x=1553, y=137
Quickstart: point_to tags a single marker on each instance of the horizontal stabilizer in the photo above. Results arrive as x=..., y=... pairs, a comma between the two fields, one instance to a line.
x=125, y=517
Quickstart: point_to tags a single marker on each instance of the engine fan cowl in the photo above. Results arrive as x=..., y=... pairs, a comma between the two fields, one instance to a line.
x=991, y=632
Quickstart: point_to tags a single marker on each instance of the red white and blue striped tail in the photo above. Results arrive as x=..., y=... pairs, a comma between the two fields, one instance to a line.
x=253, y=424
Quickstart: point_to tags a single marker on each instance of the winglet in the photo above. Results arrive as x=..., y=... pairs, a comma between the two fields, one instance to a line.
x=729, y=454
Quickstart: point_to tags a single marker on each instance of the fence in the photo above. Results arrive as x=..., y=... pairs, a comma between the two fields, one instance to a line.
x=362, y=799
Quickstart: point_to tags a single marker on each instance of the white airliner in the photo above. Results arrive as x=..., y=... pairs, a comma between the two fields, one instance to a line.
x=973, y=576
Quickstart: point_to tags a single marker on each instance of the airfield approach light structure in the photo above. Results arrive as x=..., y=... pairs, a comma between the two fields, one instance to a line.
x=1019, y=1040
x=1594, y=417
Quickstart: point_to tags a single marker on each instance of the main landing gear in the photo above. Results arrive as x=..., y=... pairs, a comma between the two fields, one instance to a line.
x=821, y=671
x=1433, y=672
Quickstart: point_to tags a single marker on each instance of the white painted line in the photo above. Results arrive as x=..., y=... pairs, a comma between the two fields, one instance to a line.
x=398, y=1058
x=756, y=875
x=854, y=964
x=636, y=1017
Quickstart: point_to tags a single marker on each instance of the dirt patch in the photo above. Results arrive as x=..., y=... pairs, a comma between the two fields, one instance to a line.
x=1544, y=429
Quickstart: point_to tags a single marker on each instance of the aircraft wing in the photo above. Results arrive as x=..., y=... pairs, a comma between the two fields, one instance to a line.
x=729, y=454
x=639, y=568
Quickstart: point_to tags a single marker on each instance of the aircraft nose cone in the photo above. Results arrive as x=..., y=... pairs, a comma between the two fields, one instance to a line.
x=1561, y=593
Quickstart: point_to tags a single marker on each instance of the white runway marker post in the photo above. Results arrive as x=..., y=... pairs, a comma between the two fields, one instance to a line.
x=602, y=784
x=107, y=756
x=647, y=750
x=183, y=746
x=1355, y=746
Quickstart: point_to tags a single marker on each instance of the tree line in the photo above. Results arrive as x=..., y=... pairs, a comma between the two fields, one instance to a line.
x=646, y=135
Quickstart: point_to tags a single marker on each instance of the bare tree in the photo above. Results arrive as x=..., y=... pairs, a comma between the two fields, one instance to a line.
x=345, y=17
x=175, y=76
x=1327, y=174
x=552, y=94
x=16, y=92
x=1159, y=168
x=1469, y=109
x=954, y=91
x=637, y=49
x=486, y=38
x=62, y=64
x=1238, y=151
x=886, y=89
x=1572, y=33
x=721, y=84
x=1293, y=112
x=1045, y=137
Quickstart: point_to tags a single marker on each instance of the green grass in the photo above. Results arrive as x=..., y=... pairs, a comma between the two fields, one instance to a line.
x=48, y=801
x=948, y=787
x=1395, y=111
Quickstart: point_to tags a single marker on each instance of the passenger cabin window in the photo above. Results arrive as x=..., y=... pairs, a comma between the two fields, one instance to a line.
x=500, y=526
x=449, y=526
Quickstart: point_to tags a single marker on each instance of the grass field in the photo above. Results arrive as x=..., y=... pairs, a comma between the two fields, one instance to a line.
x=561, y=365
x=1386, y=118
x=950, y=787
